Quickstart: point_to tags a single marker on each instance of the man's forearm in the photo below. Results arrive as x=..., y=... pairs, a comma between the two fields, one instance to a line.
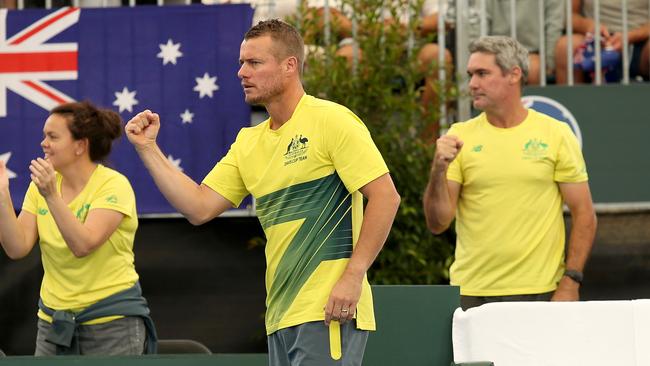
x=583, y=231
x=179, y=189
x=438, y=210
x=377, y=222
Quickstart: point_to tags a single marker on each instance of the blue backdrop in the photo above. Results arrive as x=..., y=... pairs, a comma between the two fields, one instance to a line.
x=179, y=61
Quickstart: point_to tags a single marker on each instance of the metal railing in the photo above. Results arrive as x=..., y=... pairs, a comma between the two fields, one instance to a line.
x=459, y=13
x=461, y=19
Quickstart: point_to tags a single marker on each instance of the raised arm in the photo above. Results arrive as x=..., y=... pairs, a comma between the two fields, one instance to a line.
x=17, y=235
x=441, y=195
x=577, y=197
x=383, y=202
x=198, y=203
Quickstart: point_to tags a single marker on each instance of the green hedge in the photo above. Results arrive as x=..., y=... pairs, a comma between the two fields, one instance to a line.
x=384, y=91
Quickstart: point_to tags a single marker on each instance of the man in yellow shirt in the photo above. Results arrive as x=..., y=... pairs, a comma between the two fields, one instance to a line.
x=504, y=176
x=308, y=166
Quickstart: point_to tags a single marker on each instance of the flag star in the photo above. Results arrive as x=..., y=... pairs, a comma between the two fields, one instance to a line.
x=125, y=100
x=5, y=158
x=175, y=162
x=206, y=85
x=169, y=52
x=187, y=116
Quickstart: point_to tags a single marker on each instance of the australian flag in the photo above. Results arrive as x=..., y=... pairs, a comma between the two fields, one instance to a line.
x=178, y=61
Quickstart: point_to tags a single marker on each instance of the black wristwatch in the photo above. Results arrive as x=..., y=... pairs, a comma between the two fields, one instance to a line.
x=574, y=275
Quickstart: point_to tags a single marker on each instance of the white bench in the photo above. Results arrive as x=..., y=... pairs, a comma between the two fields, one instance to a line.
x=590, y=333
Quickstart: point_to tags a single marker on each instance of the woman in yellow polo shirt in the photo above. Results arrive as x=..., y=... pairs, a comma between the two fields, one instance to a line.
x=84, y=217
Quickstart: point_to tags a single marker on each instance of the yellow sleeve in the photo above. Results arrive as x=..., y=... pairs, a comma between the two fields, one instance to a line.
x=570, y=165
x=225, y=177
x=30, y=202
x=115, y=194
x=350, y=147
x=455, y=171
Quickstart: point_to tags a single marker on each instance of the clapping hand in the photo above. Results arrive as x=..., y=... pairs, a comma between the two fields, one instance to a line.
x=44, y=176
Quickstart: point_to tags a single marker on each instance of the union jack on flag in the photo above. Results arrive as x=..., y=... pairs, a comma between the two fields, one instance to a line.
x=180, y=61
x=26, y=61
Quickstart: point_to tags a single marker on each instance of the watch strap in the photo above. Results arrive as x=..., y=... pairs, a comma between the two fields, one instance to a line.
x=574, y=275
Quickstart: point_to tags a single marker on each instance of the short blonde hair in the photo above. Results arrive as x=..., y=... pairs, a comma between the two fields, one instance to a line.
x=282, y=34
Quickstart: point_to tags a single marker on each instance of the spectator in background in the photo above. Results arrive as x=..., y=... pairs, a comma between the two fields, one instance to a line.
x=504, y=176
x=83, y=215
x=428, y=14
x=528, y=28
x=308, y=166
x=340, y=24
x=611, y=31
x=427, y=56
x=499, y=24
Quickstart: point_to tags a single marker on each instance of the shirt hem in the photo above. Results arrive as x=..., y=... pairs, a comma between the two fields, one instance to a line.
x=217, y=189
x=123, y=210
x=370, y=177
x=569, y=180
x=509, y=292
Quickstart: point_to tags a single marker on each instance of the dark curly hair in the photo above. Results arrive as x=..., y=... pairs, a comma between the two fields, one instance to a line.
x=99, y=126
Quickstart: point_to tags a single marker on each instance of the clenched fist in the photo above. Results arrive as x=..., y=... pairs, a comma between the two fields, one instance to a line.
x=447, y=148
x=142, y=129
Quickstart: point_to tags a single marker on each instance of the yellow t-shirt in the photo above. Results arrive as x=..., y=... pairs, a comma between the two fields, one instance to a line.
x=301, y=176
x=71, y=283
x=509, y=223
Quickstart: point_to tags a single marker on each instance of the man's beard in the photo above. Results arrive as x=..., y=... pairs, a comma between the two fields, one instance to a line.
x=270, y=94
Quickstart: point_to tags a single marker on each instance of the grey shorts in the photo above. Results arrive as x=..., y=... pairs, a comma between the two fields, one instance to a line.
x=309, y=345
x=124, y=336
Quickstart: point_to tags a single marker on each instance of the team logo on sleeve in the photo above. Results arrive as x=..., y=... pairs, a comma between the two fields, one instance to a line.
x=296, y=150
x=111, y=199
